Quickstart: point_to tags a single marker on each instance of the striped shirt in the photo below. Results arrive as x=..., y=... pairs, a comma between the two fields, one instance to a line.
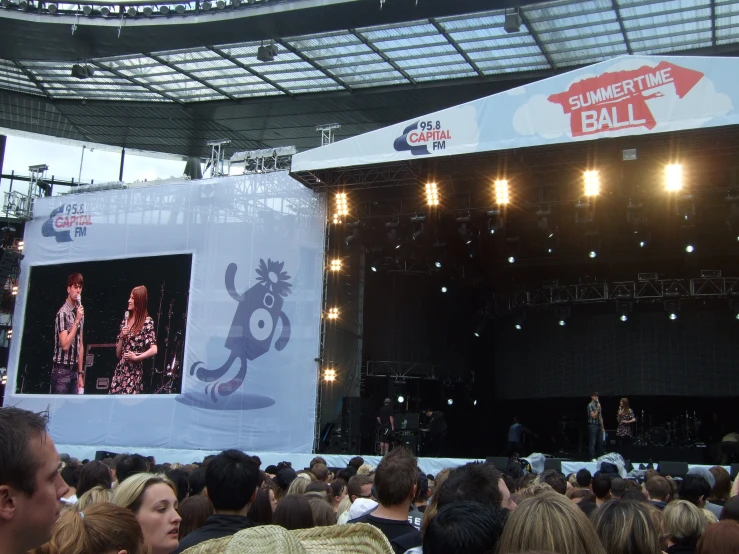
x=64, y=322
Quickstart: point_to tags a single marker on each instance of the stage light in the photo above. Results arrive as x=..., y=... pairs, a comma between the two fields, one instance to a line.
x=673, y=177
x=373, y=268
x=52, y=8
x=19, y=245
x=329, y=375
x=336, y=264
x=342, y=207
x=672, y=308
x=206, y=5
x=180, y=9
x=563, y=314
x=220, y=4
x=450, y=401
x=511, y=259
x=550, y=250
x=9, y=333
x=164, y=10
x=474, y=402
x=642, y=244
x=87, y=10
x=432, y=194
x=673, y=316
x=689, y=249
x=623, y=309
x=333, y=313
x=444, y=289
x=518, y=326
x=148, y=11
x=397, y=246
x=734, y=307
x=592, y=183
x=437, y=265
x=14, y=290
x=105, y=11
x=501, y=192
x=518, y=319
x=131, y=11
x=592, y=254
x=401, y=400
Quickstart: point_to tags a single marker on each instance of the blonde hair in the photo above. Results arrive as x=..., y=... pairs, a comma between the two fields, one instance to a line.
x=534, y=489
x=95, y=495
x=344, y=505
x=683, y=521
x=102, y=527
x=298, y=486
x=626, y=526
x=709, y=516
x=366, y=469
x=130, y=493
x=549, y=522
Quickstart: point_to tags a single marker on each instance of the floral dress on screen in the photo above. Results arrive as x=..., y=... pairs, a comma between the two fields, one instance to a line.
x=128, y=376
x=624, y=429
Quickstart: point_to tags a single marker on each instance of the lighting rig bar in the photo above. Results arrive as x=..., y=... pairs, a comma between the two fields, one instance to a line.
x=416, y=370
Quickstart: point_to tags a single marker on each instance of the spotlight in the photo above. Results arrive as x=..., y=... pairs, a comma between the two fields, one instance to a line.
x=623, y=310
x=563, y=314
x=333, y=313
x=550, y=250
x=401, y=399
x=450, y=401
x=342, y=207
x=592, y=254
x=105, y=11
x=14, y=290
x=592, y=183
x=220, y=4
x=148, y=11
x=512, y=22
x=480, y=329
x=9, y=333
x=131, y=11
x=329, y=375
x=518, y=320
x=432, y=194
x=336, y=264
x=673, y=177
x=419, y=226
x=511, y=259
x=734, y=307
x=444, y=289
x=642, y=244
x=501, y=192
x=673, y=316
x=82, y=71
x=672, y=307
x=374, y=269
x=180, y=9
x=495, y=221
x=267, y=53
x=164, y=10
x=437, y=265
x=87, y=10
x=206, y=5
x=52, y=8
x=474, y=402
x=689, y=249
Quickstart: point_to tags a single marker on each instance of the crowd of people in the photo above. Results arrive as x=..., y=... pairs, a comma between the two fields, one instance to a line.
x=52, y=504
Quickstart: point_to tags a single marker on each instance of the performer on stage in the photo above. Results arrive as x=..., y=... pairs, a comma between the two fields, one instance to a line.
x=625, y=431
x=516, y=434
x=385, y=425
x=67, y=373
x=595, y=427
x=136, y=342
x=437, y=433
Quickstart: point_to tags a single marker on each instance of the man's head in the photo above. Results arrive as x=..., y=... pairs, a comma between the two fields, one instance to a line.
x=465, y=527
x=360, y=486
x=658, y=489
x=429, y=413
x=71, y=475
x=695, y=489
x=356, y=462
x=396, y=478
x=583, y=478
x=130, y=465
x=618, y=487
x=554, y=479
x=387, y=402
x=594, y=397
x=74, y=285
x=601, y=485
x=30, y=483
x=320, y=471
x=478, y=483
x=317, y=460
x=231, y=481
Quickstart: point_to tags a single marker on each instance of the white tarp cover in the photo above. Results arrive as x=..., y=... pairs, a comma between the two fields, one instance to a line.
x=629, y=95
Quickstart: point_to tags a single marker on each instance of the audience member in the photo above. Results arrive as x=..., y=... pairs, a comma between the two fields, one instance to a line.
x=153, y=500
x=319, y=489
x=531, y=491
x=651, y=473
x=297, y=486
x=584, y=478
x=31, y=487
x=526, y=480
x=356, y=462
x=433, y=507
x=618, y=487
x=422, y=493
x=323, y=513
x=320, y=471
x=549, y=522
x=684, y=524
x=95, y=495
x=343, y=510
x=601, y=487
x=181, y=482
x=294, y=512
x=260, y=512
x=284, y=477
x=588, y=508
x=731, y=509
x=366, y=469
x=307, y=475
x=465, y=528
x=395, y=481
x=71, y=475
x=94, y=474
x=130, y=465
x=338, y=493
x=711, y=481
x=635, y=494
x=721, y=538
x=581, y=495
x=629, y=527
x=658, y=491
x=99, y=529
x=231, y=480
x=197, y=481
x=317, y=460
x=360, y=486
x=477, y=482
x=194, y=511
x=695, y=489
x=554, y=479
x=722, y=487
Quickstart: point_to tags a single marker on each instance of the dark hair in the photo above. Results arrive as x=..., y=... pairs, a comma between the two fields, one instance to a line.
x=651, y=473
x=271, y=469
x=257, y=460
x=194, y=511
x=181, y=480
x=356, y=462
x=720, y=538
x=317, y=460
x=554, y=479
x=693, y=487
x=658, y=488
x=94, y=474
x=465, y=528
x=71, y=474
x=395, y=477
x=473, y=481
x=337, y=485
x=634, y=494
x=18, y=465
x=320, y=470
x=284, y=477
x=509, y=482
x=197, y=481
x=601, y=484
x=130, y=465
x=586, y=494
x=75, y=279
x=584, y=477
x=588, y=508
x=319, y=487
x=422, y=490
x=231, y=478
x=323, y=513
x=293, y=512
x=355, y=484
x=731, y=509
x=260, y=511
x=618, y=487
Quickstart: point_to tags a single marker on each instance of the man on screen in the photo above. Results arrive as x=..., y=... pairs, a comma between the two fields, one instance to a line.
x=67, y=373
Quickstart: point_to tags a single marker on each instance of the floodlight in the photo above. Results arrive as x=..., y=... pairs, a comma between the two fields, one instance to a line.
x=164, y=10
x=329, y=375
x=592, y=183
x=511, y=259
x=342, y=207
x=444, y=289
x=148, y=11
x=432, y=194
x=180, y=9
x=131, y=11
x=87, y=10
x=336, y=264
x=333, y=313
x=105, y=11
x=51, y=8
x=401, y=399
x=206, y=5
x=502, y=196
x=673, y=177
x=450, y=401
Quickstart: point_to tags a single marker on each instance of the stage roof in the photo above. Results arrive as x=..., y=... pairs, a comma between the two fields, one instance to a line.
x=340, y=51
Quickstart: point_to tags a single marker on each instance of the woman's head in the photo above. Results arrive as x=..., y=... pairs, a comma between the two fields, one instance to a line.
x=684, y=523
x=323, y=513
x=433, y=508
x=194, y=511
x=629, y=527
x=260, y=511
x=722, y=484
x=94, y=474
x=153, y=500
x=298, y=486
x=99, y=529
x=624, y=404
x=138, y=305
x=95, y=495
x=338, y=491
x=294, y=512
x=550, y=522
x=721, y=538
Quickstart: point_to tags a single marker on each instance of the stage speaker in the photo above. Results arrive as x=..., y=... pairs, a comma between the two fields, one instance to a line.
x=102, y=454
x=553, y=463
x=734, y=471
x=100, y=363
x=673, y=469
x=499, y=462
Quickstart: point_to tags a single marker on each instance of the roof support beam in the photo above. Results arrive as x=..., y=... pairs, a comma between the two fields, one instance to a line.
x=536, y=38
x=457, y=47
x=617, y=10
x=190, y=75
x=31, y=77
x=248, y=69
x=135, y=81
x=290, y=48
x=713, y=23
x=364, y=40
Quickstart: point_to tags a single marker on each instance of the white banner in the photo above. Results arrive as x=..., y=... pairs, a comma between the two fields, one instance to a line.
x=249, y=374
x=629, y=95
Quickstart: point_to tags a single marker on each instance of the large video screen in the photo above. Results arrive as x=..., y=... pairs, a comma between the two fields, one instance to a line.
x=106, y=327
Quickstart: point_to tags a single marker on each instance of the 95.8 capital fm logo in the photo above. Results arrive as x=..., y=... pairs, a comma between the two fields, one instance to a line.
x=423, y=137
x=67, y=222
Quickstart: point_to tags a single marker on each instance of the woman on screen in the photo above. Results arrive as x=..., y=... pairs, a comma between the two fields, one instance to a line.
x=136, y=342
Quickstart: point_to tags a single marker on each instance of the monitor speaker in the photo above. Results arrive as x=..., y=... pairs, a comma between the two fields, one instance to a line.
x=499, y=462
x=673, y=469
x=553, y=463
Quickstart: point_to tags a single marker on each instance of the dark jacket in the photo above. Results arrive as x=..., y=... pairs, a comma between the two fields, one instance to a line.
x=217, y=526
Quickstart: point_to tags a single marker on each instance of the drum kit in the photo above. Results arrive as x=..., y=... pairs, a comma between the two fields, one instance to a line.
x=679, y=431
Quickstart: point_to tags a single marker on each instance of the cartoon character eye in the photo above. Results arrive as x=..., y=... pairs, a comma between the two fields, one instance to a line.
x=260, y=324
x=269, y=300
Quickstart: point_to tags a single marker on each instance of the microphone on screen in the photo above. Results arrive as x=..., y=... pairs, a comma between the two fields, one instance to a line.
x=126, y=315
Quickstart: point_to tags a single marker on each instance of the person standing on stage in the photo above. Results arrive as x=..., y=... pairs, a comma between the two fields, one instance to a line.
x=625, y=431
x=516, y=434
x=67, y=372
x=595, y=427
x=437, y=433
x=385, y=425
x=136, y=342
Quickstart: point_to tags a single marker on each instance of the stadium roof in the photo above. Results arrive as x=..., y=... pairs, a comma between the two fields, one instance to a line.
x=192, y=60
